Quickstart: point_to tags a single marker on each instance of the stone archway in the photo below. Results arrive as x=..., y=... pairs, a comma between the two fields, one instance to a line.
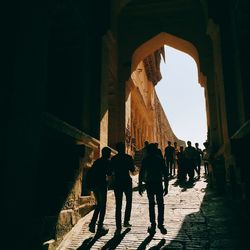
x=142, y=107
x=162, y=39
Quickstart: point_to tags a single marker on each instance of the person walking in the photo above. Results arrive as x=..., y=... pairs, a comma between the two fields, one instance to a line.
x=198, y=159
x=176, y=150
x=122, y=164
x=182, y=172
x=98, y=183
x=205, y=157
x=158, y=150
x=152, y=172
x=190, y=158
x=144, y=150
x=169, y=158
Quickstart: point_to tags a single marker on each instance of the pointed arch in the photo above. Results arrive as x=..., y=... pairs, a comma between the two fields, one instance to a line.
x=162, y=39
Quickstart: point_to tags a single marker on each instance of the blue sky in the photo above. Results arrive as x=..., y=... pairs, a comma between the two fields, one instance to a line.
x=182, y=97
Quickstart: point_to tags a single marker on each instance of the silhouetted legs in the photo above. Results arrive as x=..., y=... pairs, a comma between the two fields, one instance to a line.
x=190, y=169
x=119, y=190
x=206, y=168
x=175, y=166
x=100, y=209
x=169, y=164
x=155, y=190
x=198, y=167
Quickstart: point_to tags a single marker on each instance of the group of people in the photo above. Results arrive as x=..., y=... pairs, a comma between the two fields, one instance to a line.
x=152, y=174
x=187, y=161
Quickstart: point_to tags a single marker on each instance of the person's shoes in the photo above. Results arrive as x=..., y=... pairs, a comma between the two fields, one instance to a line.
x=162, y=229
x=102, y=230
x=151, y=229
x=92, y=228
x=127, y=224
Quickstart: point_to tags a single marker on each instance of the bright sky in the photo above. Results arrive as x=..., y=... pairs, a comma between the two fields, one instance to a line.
x=182, y=97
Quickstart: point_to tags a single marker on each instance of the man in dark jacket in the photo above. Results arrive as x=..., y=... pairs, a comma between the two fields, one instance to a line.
x=99, y=172
x=152, y=172
x=122, y=164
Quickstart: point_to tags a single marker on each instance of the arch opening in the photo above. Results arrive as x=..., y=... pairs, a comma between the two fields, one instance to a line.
x=146, y=116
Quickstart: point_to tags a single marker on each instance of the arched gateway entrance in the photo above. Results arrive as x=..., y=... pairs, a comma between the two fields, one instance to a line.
x=144, y=116
x=69, y=72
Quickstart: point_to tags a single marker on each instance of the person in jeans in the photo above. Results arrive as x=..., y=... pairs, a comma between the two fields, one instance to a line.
x=99, y=172
x=122, y=164
x=152, y=172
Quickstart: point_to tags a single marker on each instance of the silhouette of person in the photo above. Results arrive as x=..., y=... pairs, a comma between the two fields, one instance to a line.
x=176, y=150
x=152, y=171
x=121, y=165
x=101, y=169
x=144, y=150
x=205, y=157
x=169, y=158
x=198, y=159
x=190, y=159
x=158, y=150
x=182, y=171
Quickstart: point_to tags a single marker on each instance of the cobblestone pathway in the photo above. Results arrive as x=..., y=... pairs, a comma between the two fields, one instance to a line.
x=195, y=219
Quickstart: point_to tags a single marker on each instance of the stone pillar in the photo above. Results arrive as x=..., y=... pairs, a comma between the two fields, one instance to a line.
x=214, y=33
x=107, y=87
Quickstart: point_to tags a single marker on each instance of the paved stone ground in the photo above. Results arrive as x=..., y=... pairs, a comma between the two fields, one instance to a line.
x=195, y=217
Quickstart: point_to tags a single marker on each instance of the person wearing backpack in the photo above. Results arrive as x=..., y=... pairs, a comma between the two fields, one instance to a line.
x=97, y=179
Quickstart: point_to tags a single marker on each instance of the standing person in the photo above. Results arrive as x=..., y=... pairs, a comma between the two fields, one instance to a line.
x=198, y=159
x=144, y=150
x=151, y=173
x=121, y=165
x=176, y=150
x=158, y=150
x=190, y=158
x=169, y=158
x=205, y=157
x=182, y=172
x=98, y=178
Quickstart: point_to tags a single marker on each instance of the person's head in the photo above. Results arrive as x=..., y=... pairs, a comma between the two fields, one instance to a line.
x=175, y=144
x=106, y=152
x=151, y=148
x=156, y=144
x=196, y=144
x=205, y=144
x=120, y=147
x=169, y=143
x=146, y=143
x=181, y=148
x=189, y=143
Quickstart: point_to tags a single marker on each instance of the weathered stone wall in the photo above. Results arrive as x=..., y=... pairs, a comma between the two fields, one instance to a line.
x=144, y=114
